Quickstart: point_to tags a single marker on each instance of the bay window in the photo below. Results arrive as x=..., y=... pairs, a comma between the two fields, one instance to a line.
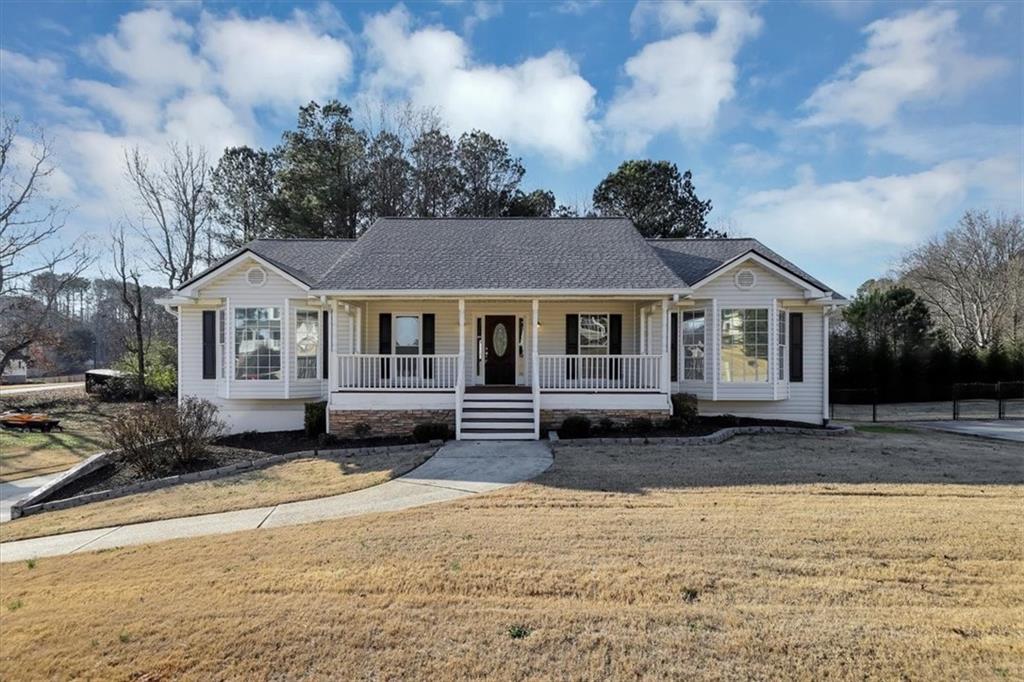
x=693, y=338
x=307, y=343
x=257, y=343
x=744, y=349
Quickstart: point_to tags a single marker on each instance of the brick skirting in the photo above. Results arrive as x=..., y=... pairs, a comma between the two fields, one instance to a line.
x=552, y=419
x=387, y=422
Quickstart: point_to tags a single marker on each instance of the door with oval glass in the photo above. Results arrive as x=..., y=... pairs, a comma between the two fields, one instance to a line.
x=500, y=349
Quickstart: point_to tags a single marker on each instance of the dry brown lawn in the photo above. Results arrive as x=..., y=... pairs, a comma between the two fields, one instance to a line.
x=83, y=420
x=883, y=556
x=301, y=479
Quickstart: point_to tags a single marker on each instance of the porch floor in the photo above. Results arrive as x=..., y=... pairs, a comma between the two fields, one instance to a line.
x=498, y=389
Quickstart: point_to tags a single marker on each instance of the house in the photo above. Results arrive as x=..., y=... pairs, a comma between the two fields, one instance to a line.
x=502, y=327
x=16, y=371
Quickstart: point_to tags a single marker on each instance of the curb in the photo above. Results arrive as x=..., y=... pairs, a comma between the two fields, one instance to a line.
x=25, y=507
x=715, y=438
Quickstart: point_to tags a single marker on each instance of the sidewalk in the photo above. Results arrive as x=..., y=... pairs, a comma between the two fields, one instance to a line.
x=459, y=469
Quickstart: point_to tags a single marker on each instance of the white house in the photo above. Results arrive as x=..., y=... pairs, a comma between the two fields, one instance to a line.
x=502, y=327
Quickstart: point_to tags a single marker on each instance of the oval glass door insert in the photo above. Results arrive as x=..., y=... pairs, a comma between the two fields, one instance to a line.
x=500, y=340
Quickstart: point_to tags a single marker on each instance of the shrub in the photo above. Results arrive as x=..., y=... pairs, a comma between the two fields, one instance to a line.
x=684, y=409
x=192, y=427
x=428, y=431
x=606, y=425
x=118, y=389
x=641, y=425
x=161, y=372
x=361, y=429
x=326, y=440
x=136, y=433
x=315, y=420
x=575, y=426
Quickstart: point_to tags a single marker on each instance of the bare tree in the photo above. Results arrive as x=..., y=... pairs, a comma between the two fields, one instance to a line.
x=29, y=223
x=133, y=304
x=176, y=204
x=972, y=279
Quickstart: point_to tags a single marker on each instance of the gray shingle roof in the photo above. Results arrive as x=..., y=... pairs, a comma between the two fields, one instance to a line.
x=500, y=253
x=304, y=259
x=694, y=259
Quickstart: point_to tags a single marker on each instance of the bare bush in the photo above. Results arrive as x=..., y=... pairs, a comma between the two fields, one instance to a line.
x=136, y=433
x=197, y=423
x=156, y=438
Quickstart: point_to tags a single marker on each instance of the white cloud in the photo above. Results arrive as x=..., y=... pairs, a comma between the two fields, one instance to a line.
x=679, y=84
x=16, y=65
x=280, y=63
x=205, y=120
x=932, y=144
x=994, y=13
x=915, y=57
x=748, y=158
x=135, y=111
x=855, y=217
x=542, y=103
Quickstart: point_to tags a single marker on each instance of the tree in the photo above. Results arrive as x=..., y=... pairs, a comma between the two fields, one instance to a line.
x=972, y=279
x=889, y=313
x=436, y=179
x=538, y=203
x=29, y=224
x=659, y=201
x=131, y=299
x=388, y=177
x=176, y=209
x=322, y=174
x=490, y=176
x=241, y=192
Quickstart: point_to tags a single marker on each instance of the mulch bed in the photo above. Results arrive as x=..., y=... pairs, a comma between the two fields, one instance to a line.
x=702, y=427
x=283, y=442
x=117, y=473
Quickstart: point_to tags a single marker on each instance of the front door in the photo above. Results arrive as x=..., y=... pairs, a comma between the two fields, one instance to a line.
x=500, y=349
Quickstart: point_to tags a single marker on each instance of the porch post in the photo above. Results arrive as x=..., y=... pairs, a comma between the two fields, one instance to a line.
x=535, y=367
x=359, y=330
x=666, y=386
x=643, y=330
x=332, y=368
x=460, y=367
x=824, y=362
x=286, y=347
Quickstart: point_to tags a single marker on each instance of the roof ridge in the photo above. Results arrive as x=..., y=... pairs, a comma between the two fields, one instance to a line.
x=302, y=239
x=702, y=239
x=514, y=217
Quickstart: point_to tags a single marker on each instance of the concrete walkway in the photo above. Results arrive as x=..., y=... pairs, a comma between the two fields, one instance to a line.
x=459, y=469
x=12, y=491
x=1005, y=429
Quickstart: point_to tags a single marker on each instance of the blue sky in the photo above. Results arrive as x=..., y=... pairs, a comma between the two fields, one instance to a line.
x=839, y=133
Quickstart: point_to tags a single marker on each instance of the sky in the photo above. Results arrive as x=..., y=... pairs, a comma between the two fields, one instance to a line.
x=838, y=133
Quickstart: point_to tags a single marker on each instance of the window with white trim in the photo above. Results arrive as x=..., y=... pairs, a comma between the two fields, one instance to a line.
x=307, y=343
x=692, y=345
x=783, y=355
x=257, y=343
x=593, y=334
x=744, y=349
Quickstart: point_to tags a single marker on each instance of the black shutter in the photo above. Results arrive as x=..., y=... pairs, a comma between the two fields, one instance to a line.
x=479, y=345
x=572, y=344
x=384, y=344
x=796, y=347
x=209, y=344
x=615, y=344
x=326, y=335
x=674, y=345
x=428, y=344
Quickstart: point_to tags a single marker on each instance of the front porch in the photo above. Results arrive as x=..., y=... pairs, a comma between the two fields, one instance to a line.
x=542, y=354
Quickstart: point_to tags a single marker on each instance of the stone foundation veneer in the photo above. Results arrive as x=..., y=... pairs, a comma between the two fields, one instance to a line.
x=387, y=422
x=552, y=419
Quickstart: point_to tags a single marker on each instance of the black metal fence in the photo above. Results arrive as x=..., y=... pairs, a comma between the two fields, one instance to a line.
x=1002, y=393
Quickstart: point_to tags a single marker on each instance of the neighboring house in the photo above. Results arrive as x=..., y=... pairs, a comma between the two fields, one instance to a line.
x=16, y=371
x=502, y=327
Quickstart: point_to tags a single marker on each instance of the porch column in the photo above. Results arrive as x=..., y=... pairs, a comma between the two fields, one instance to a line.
x=643, y=330
x=460, y=367
x=535, y=366
x=359, y=330
x=286, y=347
x=666, y=386
x=824, y=361
x=332, y=358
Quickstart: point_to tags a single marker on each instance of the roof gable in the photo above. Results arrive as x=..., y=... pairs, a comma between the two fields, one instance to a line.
x=301, y=260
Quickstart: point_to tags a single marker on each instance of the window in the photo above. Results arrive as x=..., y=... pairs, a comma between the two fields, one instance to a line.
x=693, y=345
x=744, y=345
x=307, y=343
x=593, y=335
x=782, y=346
x=257, y=343
x=407, y=334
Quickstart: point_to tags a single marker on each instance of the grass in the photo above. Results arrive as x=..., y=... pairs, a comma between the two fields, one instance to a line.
x=84, y=421
x=301, y=479
x=882, y=556
x=882, y=428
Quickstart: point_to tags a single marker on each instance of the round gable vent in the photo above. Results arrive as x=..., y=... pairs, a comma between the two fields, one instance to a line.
x=256, y=276
x=745, y=279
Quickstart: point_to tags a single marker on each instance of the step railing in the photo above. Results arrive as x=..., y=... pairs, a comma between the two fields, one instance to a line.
x=366, y=372
x=598, y=373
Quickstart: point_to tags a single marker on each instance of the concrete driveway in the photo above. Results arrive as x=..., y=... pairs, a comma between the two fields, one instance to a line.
x=1004, y=429
x=458, y=469
x=14, y=389
x=12, y=491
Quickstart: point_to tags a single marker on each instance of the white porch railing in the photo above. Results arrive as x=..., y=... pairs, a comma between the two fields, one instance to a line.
x=398, y=372
x=599, y=372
